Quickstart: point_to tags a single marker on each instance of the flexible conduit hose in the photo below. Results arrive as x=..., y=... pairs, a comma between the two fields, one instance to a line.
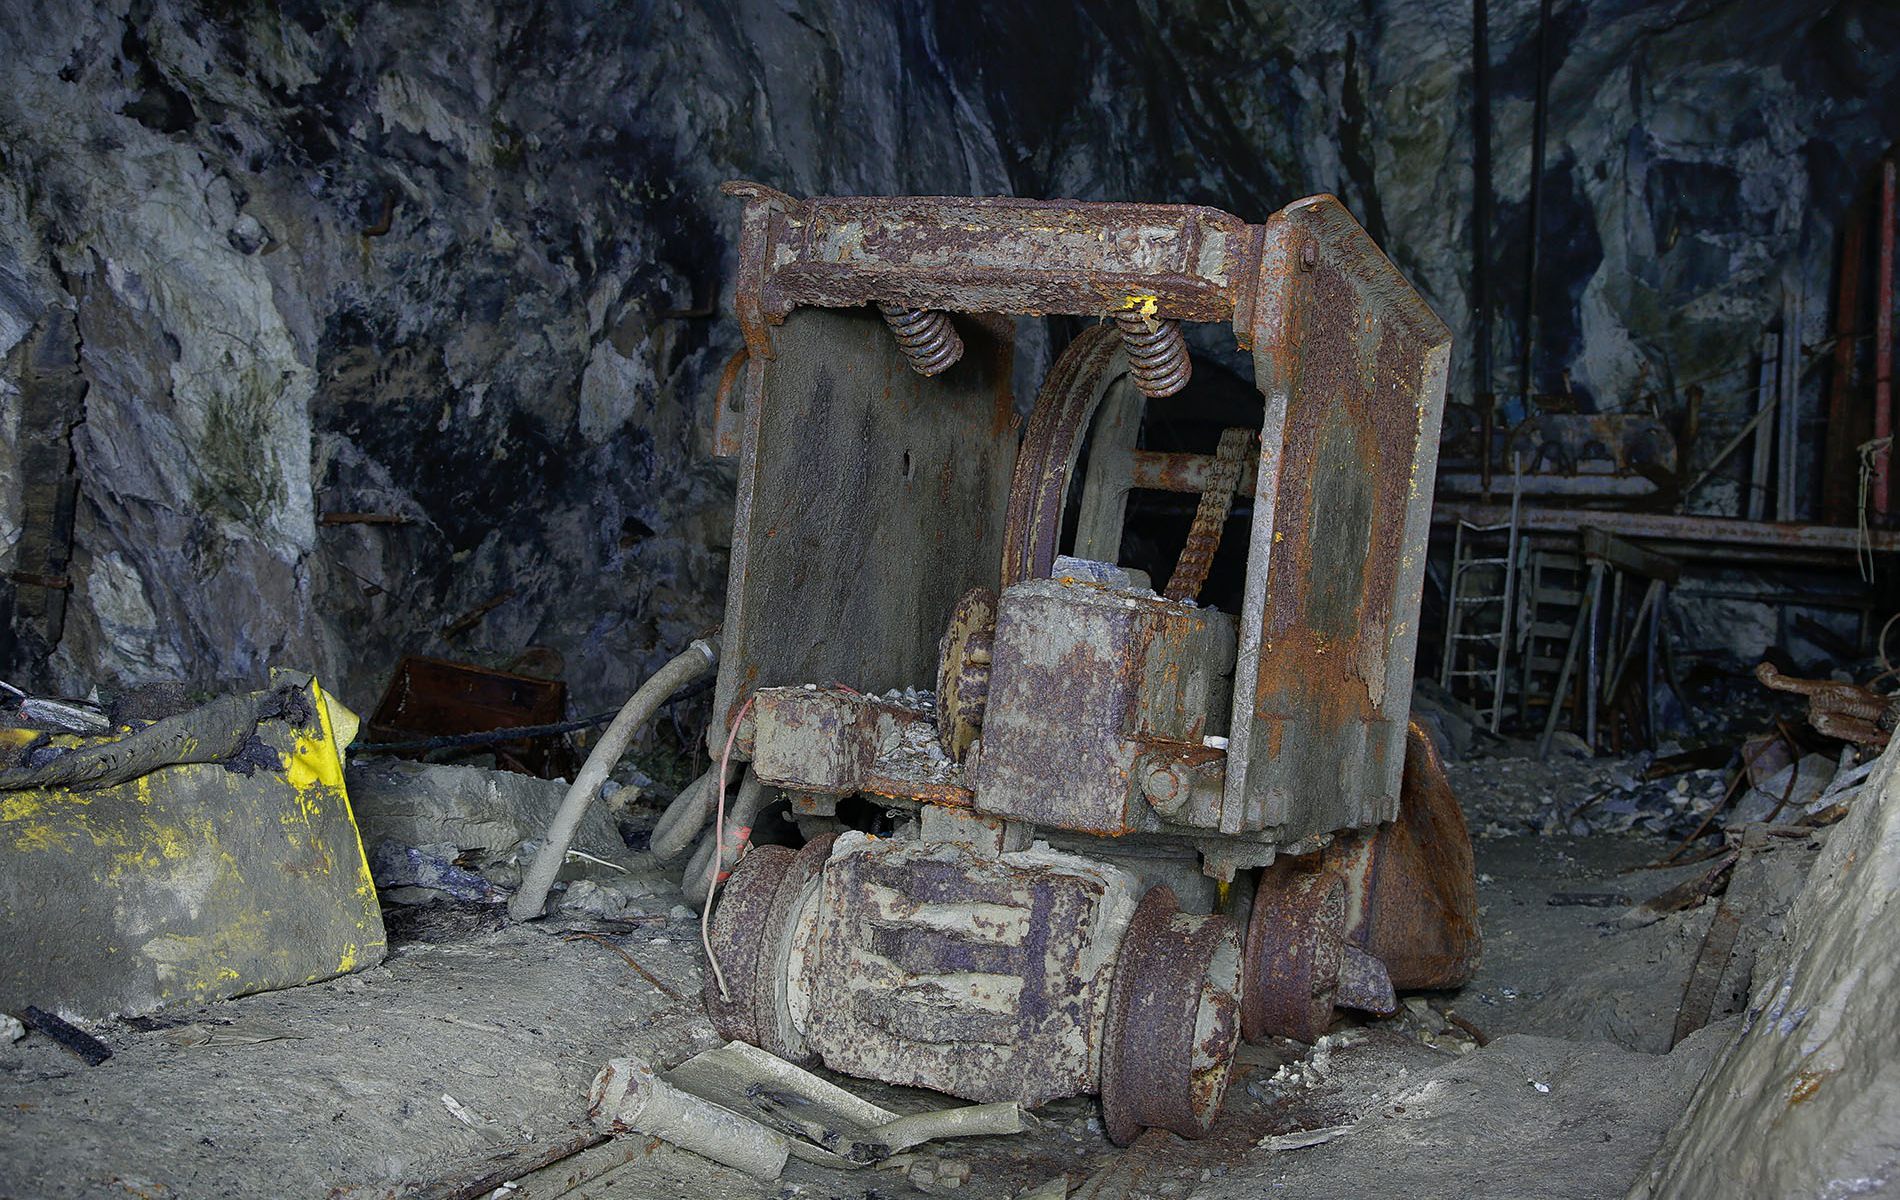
x=683, y=819
x=694, y=661
x=698, y=878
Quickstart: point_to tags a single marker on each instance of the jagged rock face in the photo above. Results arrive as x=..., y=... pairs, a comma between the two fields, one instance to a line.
x=451, y=263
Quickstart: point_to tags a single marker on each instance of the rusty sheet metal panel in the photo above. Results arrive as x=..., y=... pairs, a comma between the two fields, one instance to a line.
x=986, y=977
x=869, y=499
x=1352, y=365
x=1083, y=679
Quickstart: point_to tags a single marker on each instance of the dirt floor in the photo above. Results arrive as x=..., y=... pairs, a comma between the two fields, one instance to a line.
x=463, y=1061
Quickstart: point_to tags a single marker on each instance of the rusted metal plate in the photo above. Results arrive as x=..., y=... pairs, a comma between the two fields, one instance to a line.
x=431, y=697
x=982, y=976
x=1084, y=678
x=1351, y=363
x=1422, y=915
x=1411, y=890
x=870, y=498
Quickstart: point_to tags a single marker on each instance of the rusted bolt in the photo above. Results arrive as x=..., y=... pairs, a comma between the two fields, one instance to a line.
x=929, y=342
x=1309, y=257
x=1166, y=785
x=1157, y=354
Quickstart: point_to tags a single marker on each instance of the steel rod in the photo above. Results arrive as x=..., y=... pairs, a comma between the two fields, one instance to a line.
x=1883, y=344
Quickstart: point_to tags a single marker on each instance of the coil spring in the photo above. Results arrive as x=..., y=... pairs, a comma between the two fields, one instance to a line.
x=928, y=340
x=1157, y=354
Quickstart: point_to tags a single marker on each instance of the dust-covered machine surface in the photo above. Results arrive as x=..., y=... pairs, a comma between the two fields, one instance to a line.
x=1120, y=830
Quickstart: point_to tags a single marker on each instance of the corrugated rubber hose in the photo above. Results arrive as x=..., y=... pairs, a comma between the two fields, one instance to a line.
x=694, y=661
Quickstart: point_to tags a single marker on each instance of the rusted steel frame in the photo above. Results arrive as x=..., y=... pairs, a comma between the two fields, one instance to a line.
x=1341, y=343
x=1210, y=516
x=990, y=254
x=1883, y=345
x=1038, y=491
x=1840, y=461
x=1671, y=526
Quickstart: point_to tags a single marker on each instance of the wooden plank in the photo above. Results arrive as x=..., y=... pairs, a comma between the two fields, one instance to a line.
x=1110, y=474
x=1676, y=527
x=1788, y=439
x=1628, y=556
x=1764, y=433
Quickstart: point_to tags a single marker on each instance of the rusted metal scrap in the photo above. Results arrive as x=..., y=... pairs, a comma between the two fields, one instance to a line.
x=1837, y=709
x=878, y=443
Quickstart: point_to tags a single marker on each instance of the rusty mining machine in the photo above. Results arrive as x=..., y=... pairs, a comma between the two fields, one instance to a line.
x=1124, y=829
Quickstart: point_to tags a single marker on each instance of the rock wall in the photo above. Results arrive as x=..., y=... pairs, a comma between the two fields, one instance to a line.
x=1801, y=1101
x=463, y=265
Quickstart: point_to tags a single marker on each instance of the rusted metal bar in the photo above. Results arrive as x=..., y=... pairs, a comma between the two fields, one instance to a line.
x=1762, y=453
x=1883, y=345
x=1837, y=481
x=1788, y=387
x=1481, y=227
x=995, y=254
x=1672, y=527
x=1166, y=471
x=58, y=583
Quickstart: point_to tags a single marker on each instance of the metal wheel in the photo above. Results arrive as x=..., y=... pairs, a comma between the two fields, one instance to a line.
x=1173, y=1021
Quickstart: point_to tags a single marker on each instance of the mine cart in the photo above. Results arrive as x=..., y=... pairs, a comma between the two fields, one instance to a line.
x=1118, y=830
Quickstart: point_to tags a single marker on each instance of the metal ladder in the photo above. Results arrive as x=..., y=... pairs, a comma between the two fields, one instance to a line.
x=1479, y=608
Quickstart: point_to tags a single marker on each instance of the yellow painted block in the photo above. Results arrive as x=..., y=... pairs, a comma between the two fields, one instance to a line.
x=194, y=882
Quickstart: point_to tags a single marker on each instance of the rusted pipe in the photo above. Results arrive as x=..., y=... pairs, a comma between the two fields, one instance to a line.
x=697, y=880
